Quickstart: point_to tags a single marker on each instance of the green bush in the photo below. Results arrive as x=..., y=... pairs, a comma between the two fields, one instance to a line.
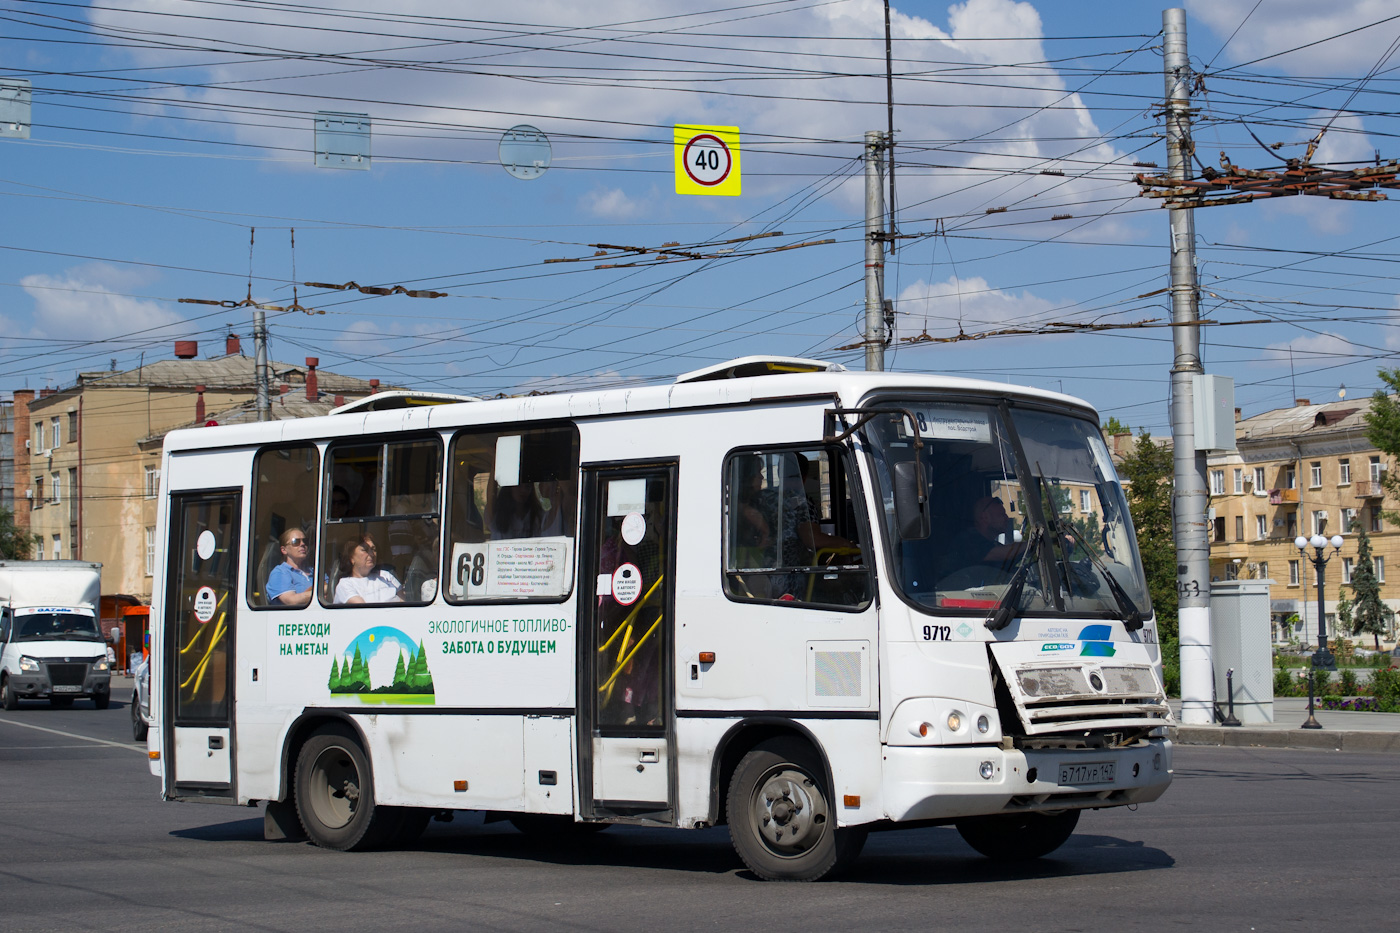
x=1283, y=683
x=1385, y=687
x=1171, y=666
x=1348, y=682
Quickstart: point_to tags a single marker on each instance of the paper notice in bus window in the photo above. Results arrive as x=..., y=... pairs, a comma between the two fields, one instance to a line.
x=508, y=460
x=626, y=495
x=954, y=424
x=516, y=568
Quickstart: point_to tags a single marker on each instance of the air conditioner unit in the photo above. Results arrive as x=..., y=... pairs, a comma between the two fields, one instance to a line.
x=27, y=442
x=29, y=494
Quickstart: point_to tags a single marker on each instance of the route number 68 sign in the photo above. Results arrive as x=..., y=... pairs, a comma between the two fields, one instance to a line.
x=707, y=159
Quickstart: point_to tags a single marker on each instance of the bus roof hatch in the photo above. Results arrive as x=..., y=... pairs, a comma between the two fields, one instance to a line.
x=759, y=366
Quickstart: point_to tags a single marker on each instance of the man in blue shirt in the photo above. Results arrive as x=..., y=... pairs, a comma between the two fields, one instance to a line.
x=289, y=584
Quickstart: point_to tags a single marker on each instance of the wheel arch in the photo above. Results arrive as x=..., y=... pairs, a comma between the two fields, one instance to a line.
x=743, y=737
x=301, y=729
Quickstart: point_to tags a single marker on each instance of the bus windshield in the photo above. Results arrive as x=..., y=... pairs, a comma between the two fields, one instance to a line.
x=1017, y=498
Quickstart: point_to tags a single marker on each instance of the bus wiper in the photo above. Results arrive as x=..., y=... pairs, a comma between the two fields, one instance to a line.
x=1132, y=615
x=1011, y=599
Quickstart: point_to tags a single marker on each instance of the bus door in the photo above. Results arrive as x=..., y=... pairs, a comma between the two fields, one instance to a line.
x=626, y=714
x=201, y=612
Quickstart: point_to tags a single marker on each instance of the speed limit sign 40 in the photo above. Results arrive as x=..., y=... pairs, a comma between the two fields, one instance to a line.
x=707, y=159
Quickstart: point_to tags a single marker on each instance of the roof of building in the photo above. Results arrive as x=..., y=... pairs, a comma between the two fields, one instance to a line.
x=235, y=371
x=288, y=405
x=1344, y=416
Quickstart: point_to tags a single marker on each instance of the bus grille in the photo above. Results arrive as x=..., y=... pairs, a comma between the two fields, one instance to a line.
x=1080, y=697
x=67, y=675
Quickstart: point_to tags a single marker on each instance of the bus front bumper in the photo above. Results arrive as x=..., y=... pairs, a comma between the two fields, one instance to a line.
x=926, y=783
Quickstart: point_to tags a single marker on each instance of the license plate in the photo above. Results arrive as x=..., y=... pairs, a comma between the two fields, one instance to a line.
x=67, y=688
x=1090, y=772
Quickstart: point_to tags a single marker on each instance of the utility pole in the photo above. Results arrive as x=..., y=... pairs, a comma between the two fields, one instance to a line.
x=874, y=252
x=260, y=363
x=1189, y=497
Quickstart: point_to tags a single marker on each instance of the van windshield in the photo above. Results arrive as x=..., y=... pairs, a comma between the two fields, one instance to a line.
x=1024, y=505
x=47, y=625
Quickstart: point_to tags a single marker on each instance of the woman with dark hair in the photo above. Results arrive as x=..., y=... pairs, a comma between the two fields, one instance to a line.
x=359, y=581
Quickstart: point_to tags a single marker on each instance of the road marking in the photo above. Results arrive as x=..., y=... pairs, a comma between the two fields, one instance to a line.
x=72, y=735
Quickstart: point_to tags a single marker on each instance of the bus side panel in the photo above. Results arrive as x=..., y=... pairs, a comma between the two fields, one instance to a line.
x=461, y=762
x=851, y=748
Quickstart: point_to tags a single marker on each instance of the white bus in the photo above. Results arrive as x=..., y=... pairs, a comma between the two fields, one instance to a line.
x=801, y=601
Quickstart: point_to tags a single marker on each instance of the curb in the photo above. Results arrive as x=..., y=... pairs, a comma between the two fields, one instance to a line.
x=1330, y=740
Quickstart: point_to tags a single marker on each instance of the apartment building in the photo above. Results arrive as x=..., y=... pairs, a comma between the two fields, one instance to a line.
x=93, y=472
x=1296, y=471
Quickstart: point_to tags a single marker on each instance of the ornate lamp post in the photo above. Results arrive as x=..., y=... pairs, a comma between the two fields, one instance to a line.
x=1322, y=659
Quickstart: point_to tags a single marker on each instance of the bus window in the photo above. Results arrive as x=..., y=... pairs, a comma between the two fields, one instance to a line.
x=381, y=535
x=513, y=502
x=791, y=534
x=281, y=555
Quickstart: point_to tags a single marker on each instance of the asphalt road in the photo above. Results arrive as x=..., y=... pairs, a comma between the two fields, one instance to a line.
x=1268, y=839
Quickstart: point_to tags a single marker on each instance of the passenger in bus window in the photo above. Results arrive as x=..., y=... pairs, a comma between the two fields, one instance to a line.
x=359, y=581
x=557, y=517
x=289, y=584
x=340, y=502
x=517, y=512
x=755, y=513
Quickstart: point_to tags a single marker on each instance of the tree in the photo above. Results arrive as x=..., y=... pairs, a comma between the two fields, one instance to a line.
x=1383, y=430
x=1113, y=426
x=14, y=543
x=1370, y=616
x=1148, y=472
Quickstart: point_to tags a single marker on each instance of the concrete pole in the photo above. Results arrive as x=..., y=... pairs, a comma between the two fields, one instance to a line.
x=260, y=363
x=1189, y=496
x=874, y=252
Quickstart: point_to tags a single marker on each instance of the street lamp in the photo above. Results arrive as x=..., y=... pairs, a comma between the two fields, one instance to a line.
x=1322, y=659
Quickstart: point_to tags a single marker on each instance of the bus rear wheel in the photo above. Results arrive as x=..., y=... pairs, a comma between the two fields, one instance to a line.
x=1018, y=837
x=335, y=794
x=781, y=820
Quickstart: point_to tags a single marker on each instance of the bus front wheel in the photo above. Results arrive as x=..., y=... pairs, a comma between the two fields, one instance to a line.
x=781, y=820
x=335, y=794
x=1018, y=837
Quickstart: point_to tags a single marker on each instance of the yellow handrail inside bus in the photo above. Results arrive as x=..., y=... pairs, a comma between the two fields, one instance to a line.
x=197, y=673
x=627, y=622
x=200, y=630
x=635, y=648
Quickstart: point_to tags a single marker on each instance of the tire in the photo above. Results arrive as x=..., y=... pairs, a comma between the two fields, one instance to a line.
x=1018, y=837
x=335, y=794
x=8, y=698
x=781, y=819
x=60, y=702
x=559, y=827
x=138, y=725
x=101, y=700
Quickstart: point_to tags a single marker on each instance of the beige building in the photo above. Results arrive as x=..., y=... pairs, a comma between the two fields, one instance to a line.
x=94, y=449
x=1303, y=470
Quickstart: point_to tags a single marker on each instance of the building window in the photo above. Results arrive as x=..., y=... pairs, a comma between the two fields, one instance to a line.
x=1239, y=527
x=152, y=482
x=1292, y=573
x=56, y=482
x=54, y=431
x=1263, y=570
x=1375, y=469
x=57, y=547
x=1084, y=505
x=1346, y=569
x=1239, y=482
x=1315, y=474
x=1319, y=522
x=73, y=544
x=1219, y=525
x=1375, y=520
x=39, y=436
x=1217, y=482
x=73, y=495
x=72, y=427
x=1261, y=526
x=1292, y=524
x=39, y=549
x=1348, y=519
x=151, y=551
x=1343, y=472
x=38, y=492
x=1379, y=563
x=1259, y=484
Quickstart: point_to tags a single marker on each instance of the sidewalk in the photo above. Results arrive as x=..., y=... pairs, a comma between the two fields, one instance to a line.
x=1341, y=731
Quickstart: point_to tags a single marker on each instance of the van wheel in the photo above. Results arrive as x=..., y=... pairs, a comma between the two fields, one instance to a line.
x=335, y=794
x=8, y=699
x=60, y=702
x=1018, y=837
x=781, y=820
x=138, y=725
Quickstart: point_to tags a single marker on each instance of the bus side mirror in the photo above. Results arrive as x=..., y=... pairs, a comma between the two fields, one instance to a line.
x=911, y=500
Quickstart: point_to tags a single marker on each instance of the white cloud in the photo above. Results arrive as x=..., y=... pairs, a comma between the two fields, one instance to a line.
x=610, y=204
x=970, y=304
x=1311, y=349
x=91, y=301
x=1281, y=25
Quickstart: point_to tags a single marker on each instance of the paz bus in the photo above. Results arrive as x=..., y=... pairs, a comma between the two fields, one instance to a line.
x=800, y=601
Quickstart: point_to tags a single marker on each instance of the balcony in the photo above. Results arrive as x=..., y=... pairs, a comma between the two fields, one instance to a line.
x=1283, y=496
x=1368, y=489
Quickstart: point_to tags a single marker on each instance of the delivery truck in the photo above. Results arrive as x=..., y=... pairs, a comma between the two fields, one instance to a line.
x=51, y=647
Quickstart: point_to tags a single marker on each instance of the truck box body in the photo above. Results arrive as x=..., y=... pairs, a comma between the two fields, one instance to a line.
x=51, y=646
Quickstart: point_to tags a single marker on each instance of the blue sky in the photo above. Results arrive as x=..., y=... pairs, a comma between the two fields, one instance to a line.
x=165, y=129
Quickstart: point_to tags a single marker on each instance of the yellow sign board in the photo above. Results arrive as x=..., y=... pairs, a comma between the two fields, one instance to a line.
x=707, y=159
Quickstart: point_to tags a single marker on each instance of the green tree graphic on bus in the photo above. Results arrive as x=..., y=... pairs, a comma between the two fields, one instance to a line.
x=383, y=665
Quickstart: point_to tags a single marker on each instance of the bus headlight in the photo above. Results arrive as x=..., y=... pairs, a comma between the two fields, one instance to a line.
x=954, y=721
x=986, y=769
x=983, y=724
x=28, y=664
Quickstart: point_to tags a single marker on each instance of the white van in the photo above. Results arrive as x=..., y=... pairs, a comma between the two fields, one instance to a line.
x=50, y=644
